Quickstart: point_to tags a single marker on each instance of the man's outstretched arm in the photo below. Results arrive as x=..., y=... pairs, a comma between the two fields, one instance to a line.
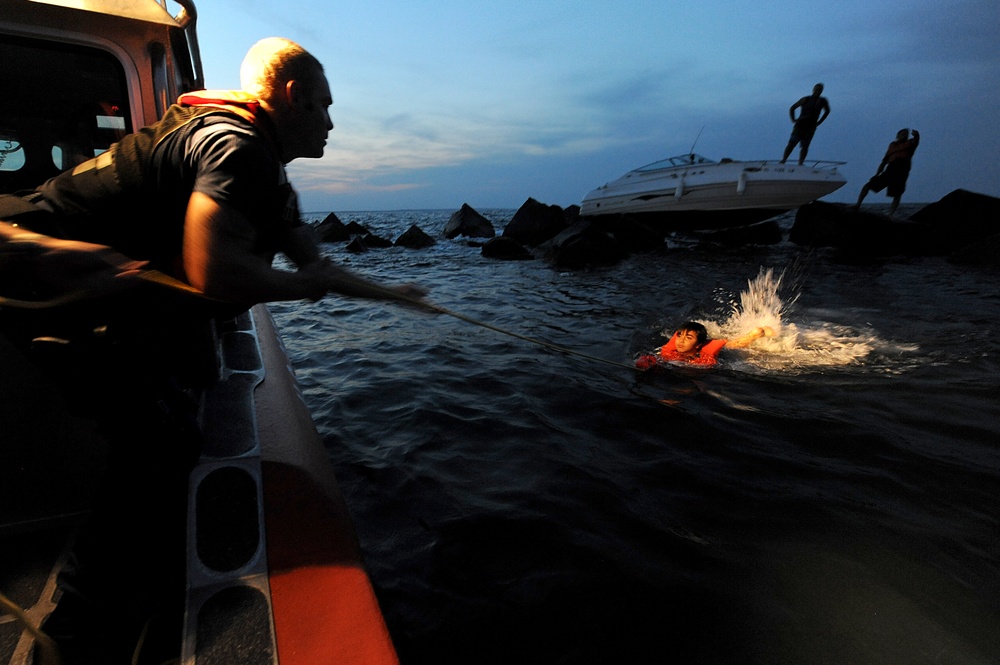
x=219, y=259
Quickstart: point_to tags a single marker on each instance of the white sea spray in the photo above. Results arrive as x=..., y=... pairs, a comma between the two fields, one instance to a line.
x=802, y=343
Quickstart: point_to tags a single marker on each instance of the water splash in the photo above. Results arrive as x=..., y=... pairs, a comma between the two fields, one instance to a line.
x=801, y=344
x=759, y=305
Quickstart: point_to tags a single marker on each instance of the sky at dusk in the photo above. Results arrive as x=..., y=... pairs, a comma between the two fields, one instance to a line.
x=442, y=103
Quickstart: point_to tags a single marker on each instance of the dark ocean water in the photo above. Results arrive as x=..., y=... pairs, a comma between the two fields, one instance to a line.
x=827, y=496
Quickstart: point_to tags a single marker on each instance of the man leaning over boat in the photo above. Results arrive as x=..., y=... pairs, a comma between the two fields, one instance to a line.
x=124, y=261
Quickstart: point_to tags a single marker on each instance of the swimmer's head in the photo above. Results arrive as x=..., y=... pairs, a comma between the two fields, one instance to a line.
x=690, y=336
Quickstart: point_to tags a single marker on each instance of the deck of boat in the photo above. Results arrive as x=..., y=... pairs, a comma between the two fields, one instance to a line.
x=50, y=465
x=274, y=567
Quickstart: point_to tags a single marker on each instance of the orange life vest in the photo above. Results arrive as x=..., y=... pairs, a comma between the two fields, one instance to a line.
x=707, y=355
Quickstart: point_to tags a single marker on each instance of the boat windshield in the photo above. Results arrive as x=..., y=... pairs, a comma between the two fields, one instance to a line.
x=672, y=162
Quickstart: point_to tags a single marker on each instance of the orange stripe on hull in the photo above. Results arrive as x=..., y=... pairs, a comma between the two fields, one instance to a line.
x=324, y=608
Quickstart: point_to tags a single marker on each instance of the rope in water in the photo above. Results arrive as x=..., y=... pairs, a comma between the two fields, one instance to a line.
x=503, y=331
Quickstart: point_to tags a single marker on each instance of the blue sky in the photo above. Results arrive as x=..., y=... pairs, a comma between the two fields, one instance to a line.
x=488, y=103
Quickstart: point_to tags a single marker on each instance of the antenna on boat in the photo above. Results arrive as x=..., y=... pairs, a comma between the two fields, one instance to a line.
x=691, y=151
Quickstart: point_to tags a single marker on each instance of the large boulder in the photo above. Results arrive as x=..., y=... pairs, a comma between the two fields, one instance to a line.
x=331, y=229
x=959, y=219
x=985, y=253
x=373, y=241
x=822, y=224
x=857, y=233
x=357, y=245
x=583, y=245
x=762, y=233
x=632, y=234
x=535, y=223
x=414, y=238
x=571, y=214
x=467, y=222
x=355, y=229
x=506, y=249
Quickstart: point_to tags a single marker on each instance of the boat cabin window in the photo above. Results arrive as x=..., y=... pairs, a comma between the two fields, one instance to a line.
x=673, y=162
x=63, y=104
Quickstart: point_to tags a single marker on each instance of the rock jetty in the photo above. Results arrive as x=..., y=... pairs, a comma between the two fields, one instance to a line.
x=963, y=226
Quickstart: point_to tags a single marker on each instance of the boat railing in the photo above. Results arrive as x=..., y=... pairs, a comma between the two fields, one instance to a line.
x=811, y=163
x=187, y=19
x=695, y=161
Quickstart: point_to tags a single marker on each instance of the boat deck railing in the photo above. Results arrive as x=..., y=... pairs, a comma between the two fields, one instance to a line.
x=811, y=163
x=821, y=164
x=695, y=160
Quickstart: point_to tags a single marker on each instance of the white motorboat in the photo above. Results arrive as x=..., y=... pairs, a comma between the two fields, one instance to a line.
x=690, y=191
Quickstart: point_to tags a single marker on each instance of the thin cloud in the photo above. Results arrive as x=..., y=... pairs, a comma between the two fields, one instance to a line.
x=560, y=97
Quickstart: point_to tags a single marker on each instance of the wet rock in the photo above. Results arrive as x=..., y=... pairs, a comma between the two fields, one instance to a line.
x=535, y=223
x=414, y=238
x=984, y=253
x=355, y=229
x=857, y=233
x=822, y=224
x=331, y=229
x=373, y=241
x=505, y=249
x=955, y=224
x=357, y=245
x=763, y=233
x=583, y=245
x=632, y=234
x=959, y=219
x=468, y=222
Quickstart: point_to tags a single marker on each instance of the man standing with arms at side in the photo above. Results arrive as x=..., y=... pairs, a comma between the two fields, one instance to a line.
x=814, y=110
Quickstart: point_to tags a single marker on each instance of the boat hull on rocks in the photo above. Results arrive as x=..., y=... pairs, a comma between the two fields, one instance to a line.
x=693, y=192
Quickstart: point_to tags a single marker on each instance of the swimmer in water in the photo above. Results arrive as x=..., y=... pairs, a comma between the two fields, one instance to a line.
x=690, y=344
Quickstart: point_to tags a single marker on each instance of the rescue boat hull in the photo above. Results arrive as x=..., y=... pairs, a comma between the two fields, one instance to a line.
x=274, y=569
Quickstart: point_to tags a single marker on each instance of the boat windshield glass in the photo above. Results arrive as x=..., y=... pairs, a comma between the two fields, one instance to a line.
x=63, y=104
x=673, y=162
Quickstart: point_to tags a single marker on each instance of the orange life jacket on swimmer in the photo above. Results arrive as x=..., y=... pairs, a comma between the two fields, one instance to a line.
x=707, y=355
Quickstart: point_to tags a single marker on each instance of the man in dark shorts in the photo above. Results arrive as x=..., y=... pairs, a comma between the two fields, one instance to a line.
x=894, y=169
x=815, y=109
